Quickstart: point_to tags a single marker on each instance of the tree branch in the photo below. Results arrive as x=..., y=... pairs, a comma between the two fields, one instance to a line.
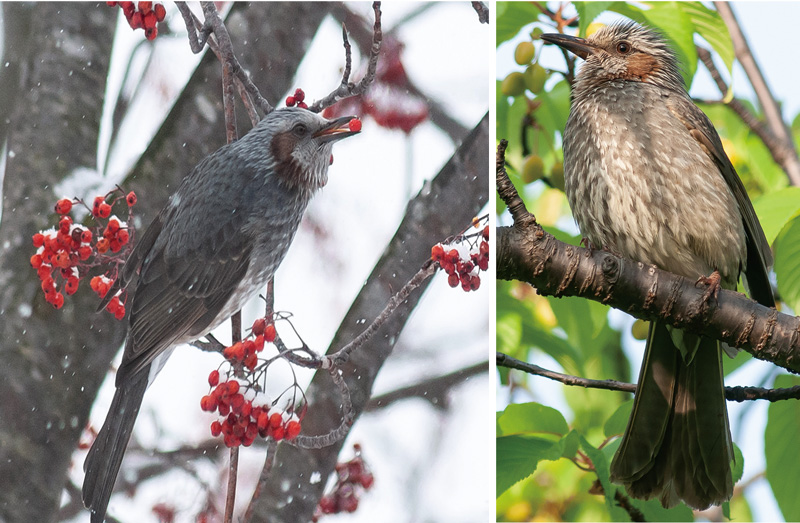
x=787, y=153
x=738, y=394
x=525, y=252
x=433, y=390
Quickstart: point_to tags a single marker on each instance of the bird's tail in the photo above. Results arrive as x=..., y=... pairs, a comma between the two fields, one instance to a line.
x=677, y=445
x=105, y=457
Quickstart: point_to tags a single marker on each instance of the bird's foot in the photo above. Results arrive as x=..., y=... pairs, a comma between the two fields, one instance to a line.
x=714, y=282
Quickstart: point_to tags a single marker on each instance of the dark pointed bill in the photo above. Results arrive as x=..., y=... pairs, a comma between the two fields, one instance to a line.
x=573, y=44
x=337, y=129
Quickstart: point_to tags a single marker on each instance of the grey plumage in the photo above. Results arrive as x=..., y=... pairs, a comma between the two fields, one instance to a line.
x=646, y=176
x=214, y=246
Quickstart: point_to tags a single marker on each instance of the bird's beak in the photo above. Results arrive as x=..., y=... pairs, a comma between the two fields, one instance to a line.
x=573, y=44
x=336, y=130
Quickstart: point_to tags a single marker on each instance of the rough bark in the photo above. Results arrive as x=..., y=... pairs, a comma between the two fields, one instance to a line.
x=54, y=361
x=60, y=66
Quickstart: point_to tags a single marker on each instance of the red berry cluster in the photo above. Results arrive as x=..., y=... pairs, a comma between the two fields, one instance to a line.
x=353, y=478
x=145, y=18
x=460, y=269
x=242, y=421
x=297, y=99
x=64, y=252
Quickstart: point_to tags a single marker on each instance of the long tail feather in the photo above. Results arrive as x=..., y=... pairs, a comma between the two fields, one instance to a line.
x=105, y=457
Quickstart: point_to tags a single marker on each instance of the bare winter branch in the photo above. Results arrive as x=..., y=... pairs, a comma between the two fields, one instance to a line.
x=347, y=89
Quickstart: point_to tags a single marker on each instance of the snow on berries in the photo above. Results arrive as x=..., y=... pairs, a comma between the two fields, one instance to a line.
x=463, y=257
x=145, y=17
x=67, y=252
x=244, y=412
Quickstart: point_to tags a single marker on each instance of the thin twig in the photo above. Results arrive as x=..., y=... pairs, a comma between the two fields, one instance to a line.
x=341, y=356
x=483, y=11
x=347, y=89
x=433, y=390
x=337, y=434
x=738, y=394
x=199, y=36
x=772, y=112
x=272, y=446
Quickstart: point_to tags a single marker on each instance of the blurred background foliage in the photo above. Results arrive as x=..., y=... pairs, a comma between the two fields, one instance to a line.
x=555, y=442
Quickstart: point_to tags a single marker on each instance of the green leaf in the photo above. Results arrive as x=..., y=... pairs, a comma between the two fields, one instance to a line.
x=737, y=470
x=514, y=16
x=780, y=447
x=501, y=111
x=708, y=24
x=618, y=421
x=653, y=511
x=602, y=469
x=677, y=27
x=553, y=113
x=531, y=418
x=787, y=263
x=518, y=456
x=509, y=332
x=775, y=209
x=587, y=12
x=632, y=12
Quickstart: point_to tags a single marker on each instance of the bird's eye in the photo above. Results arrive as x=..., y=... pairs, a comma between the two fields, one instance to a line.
x=623, y=48
x=300, y=130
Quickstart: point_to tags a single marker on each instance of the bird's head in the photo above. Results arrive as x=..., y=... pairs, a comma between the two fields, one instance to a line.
x=623, y=51
x=300, y=144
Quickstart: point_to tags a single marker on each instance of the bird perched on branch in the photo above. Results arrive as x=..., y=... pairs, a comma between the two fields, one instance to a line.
x=218, y=241
x=646, y=176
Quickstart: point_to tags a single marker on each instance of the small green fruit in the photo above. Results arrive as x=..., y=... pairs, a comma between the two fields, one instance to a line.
x=639, y=329
x=513, y=84
x=524, y=52
x=557, y=176
x=535, y=77
x=532, y=168
x=537, y=33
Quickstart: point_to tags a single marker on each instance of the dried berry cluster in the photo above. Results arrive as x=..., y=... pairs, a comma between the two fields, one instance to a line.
x=464, y=267
x=68, y=252
x=146, y=17
x=353, y=478
x=244, y=414
x=297, y=99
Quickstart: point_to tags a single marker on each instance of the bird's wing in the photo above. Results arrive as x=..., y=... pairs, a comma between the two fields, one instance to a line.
x=188, y=272
x=759, y=255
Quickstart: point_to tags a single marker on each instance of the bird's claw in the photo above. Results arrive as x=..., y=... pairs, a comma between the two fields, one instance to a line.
x=714, y=282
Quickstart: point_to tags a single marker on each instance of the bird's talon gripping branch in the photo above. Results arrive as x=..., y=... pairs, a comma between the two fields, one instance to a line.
x=714, y=282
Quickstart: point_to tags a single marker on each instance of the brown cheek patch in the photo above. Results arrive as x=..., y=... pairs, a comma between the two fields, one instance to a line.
x=286, y=168
x=641, y=66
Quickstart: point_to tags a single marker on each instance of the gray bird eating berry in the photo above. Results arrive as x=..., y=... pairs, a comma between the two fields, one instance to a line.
x=212, y=248
x=646, y=176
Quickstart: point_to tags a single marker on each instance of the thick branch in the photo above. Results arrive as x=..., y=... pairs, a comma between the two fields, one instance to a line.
x=525, y=252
